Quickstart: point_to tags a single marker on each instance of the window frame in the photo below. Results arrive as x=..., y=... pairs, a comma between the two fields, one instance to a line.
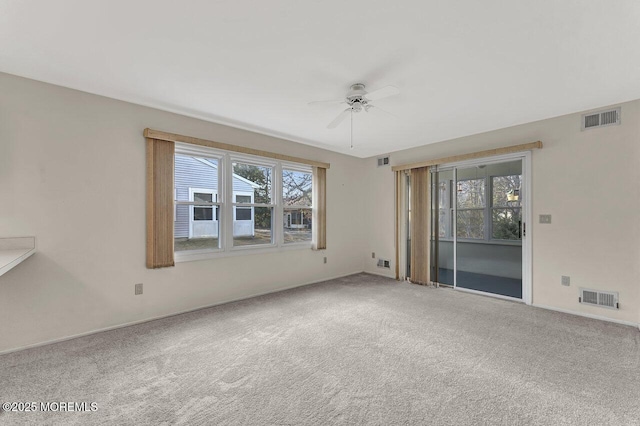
x=447, y=209
x=451, y=213
x=482, y=209
x=251, y=161
x=189, y=150
x=492, y=208
x=242, y=205
x=300, y=169
x=214, y=196
x=227, y=204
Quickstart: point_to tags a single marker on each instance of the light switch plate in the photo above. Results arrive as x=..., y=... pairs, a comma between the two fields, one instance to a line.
x=545, y=218
x=566, y=281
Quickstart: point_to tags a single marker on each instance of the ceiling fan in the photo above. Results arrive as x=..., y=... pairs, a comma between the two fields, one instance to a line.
x=358, y=100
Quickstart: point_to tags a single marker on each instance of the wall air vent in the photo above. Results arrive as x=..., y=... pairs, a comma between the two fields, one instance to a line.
x=383, y=161
x=600, y=119
x=606, y=299
x=382, y=263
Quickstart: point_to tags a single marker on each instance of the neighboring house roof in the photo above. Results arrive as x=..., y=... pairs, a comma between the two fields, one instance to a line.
x=235, y=176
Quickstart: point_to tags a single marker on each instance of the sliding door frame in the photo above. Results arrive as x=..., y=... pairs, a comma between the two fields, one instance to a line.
x=527, y=219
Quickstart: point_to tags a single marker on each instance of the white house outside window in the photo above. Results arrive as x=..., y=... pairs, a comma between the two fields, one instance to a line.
x=226, y=202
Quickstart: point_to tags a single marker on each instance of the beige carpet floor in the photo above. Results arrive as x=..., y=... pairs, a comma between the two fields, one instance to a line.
x=357, y=350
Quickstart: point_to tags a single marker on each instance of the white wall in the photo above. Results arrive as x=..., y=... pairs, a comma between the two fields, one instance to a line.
x=589, y=183
x=72, y=173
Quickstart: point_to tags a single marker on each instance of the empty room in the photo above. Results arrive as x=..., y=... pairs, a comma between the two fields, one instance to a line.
x=319, y=212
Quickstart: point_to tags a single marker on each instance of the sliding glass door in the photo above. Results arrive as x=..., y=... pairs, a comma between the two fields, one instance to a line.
x=442, y=255
x=477, y=227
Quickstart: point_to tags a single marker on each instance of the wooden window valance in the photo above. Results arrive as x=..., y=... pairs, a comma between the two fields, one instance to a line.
x=472, y=156
x=172, y=137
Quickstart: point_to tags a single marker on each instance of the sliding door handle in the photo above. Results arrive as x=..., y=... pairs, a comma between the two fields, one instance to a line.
x=520, y=229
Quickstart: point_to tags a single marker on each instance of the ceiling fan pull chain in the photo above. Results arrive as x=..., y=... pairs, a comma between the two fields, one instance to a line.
x=351, y=147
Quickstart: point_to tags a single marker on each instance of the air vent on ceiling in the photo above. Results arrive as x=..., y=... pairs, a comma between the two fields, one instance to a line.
x=606, y=299
x=600, y=119
x=383, y=161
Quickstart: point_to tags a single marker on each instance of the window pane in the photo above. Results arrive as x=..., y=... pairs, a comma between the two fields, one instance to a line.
x=471, y=193
x=254, y=232
x=203, y=213
x=506, y=224
x=256, y=179
x=201, y=232
x=442, y=195
x=243, y=199
x=243, y=213
x=442, y=223
x=196, y=180
x=506, y=191
x=297, y=225
x=296, y=188
x=470, y=224
x=203, y=197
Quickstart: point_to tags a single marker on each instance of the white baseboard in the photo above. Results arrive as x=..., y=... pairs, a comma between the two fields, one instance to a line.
x=582, y=314
x=380, y=274
x=128, y=324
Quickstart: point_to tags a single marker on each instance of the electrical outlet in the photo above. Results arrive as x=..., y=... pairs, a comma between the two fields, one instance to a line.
x=373, y=254
x=325, y=260
x=566, y=281
x=545, y=218
x=138, y=289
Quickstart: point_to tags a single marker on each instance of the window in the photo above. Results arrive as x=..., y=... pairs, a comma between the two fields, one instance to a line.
x=445, y=208
x=203, y=213
x=254, y=210
x=497, y=219
x=197, y=205
x=243, y=213
x=207, y=199
x=263, y=193
x=471, y=208
x=506, y=210
x=297, y=199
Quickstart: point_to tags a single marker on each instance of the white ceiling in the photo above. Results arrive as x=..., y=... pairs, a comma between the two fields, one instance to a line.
x=463, y=67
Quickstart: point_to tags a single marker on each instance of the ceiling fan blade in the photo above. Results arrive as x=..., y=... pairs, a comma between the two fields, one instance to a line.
x=329, y=102
x=377, y=108
x=344, y=114
x=381, y=93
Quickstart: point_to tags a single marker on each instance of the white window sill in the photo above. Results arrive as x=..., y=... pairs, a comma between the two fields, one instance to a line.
x=194, y=255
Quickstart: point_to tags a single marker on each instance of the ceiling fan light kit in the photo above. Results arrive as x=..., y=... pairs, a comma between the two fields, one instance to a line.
x=357, y=100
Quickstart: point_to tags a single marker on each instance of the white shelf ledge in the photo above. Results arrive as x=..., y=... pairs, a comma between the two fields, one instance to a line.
x=14, y=251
